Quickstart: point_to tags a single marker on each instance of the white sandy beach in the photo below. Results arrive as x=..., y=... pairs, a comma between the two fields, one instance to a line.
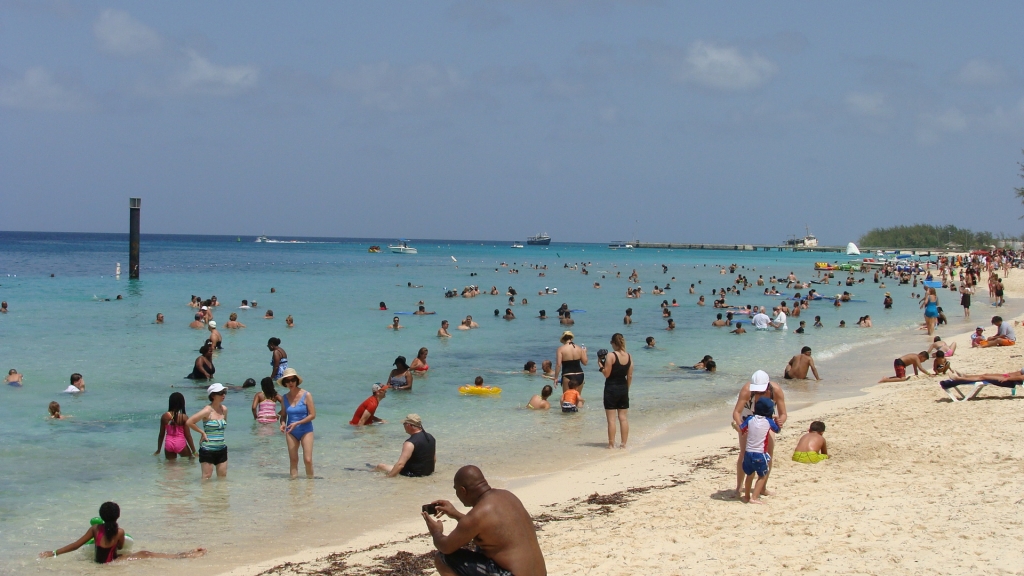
x=916, y=484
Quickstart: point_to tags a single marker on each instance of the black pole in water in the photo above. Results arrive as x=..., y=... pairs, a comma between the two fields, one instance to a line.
x=135, y=206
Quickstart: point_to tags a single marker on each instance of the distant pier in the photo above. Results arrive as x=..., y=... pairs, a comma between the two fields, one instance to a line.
x=867, y=251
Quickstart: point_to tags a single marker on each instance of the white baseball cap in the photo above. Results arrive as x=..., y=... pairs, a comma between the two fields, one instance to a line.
x=215, y=388
x=759, y=381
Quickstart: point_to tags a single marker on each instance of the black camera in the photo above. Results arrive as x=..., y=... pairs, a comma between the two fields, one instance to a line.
x=430, y=509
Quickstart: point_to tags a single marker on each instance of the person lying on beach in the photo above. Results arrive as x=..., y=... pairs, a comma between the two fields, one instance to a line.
x=109, y=539
x=1015, y=376
x=938, y=345
x=540, y=401
x=941, y=365
x=366, y=412
x=418, y=452
x=571, y=400
x=811, y=448
x=755, y=429
x=13, y=378
x=1005, y=335
x=900, y=366
x=501, y=529
x=54, y=409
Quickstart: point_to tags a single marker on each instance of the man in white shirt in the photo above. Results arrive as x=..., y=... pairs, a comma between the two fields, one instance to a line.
x=780, y=320
x=77, y=384
x=760, y=320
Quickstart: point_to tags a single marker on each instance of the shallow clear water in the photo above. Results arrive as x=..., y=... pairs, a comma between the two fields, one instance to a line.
x=55, y=474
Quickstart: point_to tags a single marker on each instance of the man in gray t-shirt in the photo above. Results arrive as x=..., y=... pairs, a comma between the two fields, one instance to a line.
x=1005, y=335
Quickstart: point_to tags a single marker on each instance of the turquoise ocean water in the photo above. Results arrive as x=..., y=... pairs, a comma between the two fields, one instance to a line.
x=56, y=473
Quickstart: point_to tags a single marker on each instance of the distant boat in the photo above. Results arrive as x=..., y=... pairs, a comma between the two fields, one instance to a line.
x=239, y=239
x=621, y=245
x=517, y=245
x=374, y=249
x=539, y=240
x=402, y=248
x=263, y=239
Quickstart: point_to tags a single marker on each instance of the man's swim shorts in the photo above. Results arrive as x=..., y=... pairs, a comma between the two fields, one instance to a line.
x=468, y=563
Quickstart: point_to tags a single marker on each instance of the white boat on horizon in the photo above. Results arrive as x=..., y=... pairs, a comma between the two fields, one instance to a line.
x=622, y=245
x=402, y=248
x=263, y=238
x=517, y=245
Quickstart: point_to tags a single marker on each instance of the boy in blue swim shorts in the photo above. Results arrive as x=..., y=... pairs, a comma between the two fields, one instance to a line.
x=755, y=459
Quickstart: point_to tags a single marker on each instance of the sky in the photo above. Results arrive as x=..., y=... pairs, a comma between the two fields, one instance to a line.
x=717, y=122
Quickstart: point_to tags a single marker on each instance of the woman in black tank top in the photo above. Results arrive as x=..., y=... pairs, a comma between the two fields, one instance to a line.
x=617, y=368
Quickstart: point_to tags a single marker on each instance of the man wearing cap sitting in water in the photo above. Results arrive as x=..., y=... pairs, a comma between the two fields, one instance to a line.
x=366, y=412
x=418, y=452
x=498, y=525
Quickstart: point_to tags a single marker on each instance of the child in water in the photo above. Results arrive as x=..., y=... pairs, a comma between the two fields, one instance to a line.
x=55, y=411
x=571, y=400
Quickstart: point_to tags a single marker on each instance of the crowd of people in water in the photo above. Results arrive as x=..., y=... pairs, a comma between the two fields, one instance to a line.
x=759, y=412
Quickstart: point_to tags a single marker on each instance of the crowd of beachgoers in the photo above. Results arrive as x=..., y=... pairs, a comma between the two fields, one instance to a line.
x=498, y=522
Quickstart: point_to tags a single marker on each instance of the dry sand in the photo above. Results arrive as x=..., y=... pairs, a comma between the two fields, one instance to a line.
x=917, y=484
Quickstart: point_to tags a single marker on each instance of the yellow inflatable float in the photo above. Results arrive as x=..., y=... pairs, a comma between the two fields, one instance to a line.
x=480, y=390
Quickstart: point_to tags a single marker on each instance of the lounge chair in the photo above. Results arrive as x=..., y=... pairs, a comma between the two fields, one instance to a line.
x=976, y=387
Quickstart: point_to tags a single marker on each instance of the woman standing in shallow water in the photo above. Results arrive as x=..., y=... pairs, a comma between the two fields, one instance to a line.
x=617, y=367
x=278, y=358
x=297, y=422
x=175, y=437
x=213, y=451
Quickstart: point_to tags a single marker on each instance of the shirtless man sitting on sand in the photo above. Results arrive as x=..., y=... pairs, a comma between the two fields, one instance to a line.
x=498, y=525
x=900, y=365
x=799, y=364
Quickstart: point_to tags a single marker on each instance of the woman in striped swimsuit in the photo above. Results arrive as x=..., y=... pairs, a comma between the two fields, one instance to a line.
x=213, y=451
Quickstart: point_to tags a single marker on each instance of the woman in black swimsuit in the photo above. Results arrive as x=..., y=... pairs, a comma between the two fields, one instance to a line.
x=203, y=368
x=569, y=361
x=618, y=374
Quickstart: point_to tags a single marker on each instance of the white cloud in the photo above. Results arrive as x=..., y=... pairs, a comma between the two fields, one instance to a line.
x=863, y=104
x=393, y=89
x=981, y=73
x=201, y=76
x=121, y=35
x=725, y=67
x=931, y=126
x=38, y=90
